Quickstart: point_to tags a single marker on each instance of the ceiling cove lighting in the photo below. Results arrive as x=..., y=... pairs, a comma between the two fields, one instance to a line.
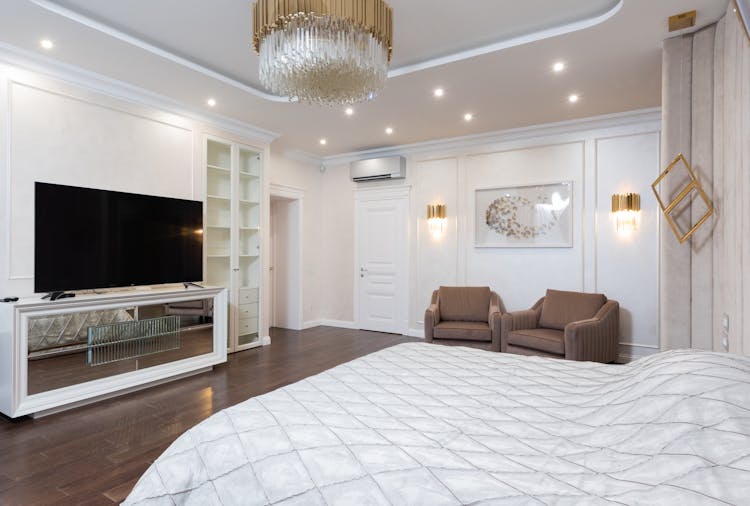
x=321, y=51
x=46, y=44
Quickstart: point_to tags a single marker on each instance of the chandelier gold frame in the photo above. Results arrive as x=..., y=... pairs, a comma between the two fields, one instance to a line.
x=375, y=16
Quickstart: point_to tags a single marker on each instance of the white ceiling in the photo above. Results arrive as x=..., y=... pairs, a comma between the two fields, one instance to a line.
x=192, y=49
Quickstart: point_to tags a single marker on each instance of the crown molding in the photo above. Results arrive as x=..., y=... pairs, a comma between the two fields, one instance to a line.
x=298, y=155
x=623, y=119
x=153, y=49
x=39, y=64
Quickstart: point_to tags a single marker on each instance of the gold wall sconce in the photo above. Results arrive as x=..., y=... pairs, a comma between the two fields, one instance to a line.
x=626, y=211
x=436, y=219
x=678, y=210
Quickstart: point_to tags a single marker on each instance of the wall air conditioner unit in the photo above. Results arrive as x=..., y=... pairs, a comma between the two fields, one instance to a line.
x=375, y=169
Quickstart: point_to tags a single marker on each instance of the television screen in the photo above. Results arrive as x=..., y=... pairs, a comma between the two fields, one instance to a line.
x=87, y=238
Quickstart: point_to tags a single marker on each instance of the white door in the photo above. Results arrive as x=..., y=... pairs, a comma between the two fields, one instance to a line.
x=381, y=270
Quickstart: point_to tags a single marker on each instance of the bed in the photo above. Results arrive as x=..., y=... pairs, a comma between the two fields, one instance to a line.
x=423, y=424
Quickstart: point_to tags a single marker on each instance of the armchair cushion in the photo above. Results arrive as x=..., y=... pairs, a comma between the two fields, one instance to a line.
x=560, y=308
x=463, y=331
x=548, y=340
x=464, y=303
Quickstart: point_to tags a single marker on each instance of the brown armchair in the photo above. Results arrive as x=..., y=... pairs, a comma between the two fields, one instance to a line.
x=464, y=316
x=570, y=325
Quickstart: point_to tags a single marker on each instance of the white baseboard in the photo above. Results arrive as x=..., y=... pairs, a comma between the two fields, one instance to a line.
x=415, y=333
x=342, y=324
x=311, y=324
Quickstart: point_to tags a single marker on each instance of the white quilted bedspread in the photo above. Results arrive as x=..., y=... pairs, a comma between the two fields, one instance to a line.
x=422, y=424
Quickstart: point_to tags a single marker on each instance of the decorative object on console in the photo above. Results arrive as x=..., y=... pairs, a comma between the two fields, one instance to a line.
x=114, y=342
x=626, y=210
x=323, y=52
x=464, y=316
x=742, y=8
x=688, y=190
x=524, y=216
x=570, y=325
x=436, y=219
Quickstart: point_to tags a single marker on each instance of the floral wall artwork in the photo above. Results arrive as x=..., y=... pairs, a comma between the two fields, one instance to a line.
x=524, y=216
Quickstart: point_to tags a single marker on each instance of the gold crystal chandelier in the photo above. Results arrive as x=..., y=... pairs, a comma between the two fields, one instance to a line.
x=323, y=51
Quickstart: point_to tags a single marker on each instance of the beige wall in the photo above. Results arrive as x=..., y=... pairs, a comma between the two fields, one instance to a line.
x=706, y=115
x=599, y=162
x=731, y=155
x=307, y=178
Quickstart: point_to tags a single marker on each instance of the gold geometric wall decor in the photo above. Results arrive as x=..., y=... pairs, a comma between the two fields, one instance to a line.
x=688, y=188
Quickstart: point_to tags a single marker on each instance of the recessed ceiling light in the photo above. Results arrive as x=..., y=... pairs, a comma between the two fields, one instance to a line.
x=349, y=111
x=389, y=130
x=573, y=98
x=439, y=92
x=46, y=44
x=323, y=142
x=211, y=102
x=468, y=116
x=558, y=66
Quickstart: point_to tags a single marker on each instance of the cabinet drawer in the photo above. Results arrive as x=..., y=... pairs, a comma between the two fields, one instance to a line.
x=248, y=310
x=247, y=326
x=248, y=295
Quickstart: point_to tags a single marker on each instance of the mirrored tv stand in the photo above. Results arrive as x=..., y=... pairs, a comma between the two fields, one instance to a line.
x=59, y=354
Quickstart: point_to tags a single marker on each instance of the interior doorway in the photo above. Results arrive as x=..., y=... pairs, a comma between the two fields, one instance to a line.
x=382, y=259
x=286, y=258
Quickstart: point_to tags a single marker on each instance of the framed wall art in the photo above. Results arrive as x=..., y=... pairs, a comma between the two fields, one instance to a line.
x=529, y=216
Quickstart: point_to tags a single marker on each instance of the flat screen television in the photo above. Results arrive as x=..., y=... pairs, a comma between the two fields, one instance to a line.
x=87, y=239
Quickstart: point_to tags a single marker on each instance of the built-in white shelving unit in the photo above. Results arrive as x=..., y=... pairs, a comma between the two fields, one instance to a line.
x=232, y=234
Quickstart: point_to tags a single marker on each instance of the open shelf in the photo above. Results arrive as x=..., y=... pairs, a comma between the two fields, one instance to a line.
x=216, y=167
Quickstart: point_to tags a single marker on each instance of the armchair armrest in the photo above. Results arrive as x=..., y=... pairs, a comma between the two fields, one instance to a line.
x=494, y=318
x=596, y=339
x=431, y=318
x=519, y=320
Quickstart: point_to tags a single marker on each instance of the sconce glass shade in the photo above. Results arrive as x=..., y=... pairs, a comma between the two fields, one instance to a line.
x=626, y=209
x=436, y=219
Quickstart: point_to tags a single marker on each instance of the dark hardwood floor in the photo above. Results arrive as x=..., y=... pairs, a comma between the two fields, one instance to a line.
x=96, y=453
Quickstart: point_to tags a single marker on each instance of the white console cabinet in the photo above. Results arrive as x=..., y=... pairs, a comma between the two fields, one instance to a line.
x=64, y=375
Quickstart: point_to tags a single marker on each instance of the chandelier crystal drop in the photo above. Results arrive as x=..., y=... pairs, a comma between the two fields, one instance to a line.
x=328, y=52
